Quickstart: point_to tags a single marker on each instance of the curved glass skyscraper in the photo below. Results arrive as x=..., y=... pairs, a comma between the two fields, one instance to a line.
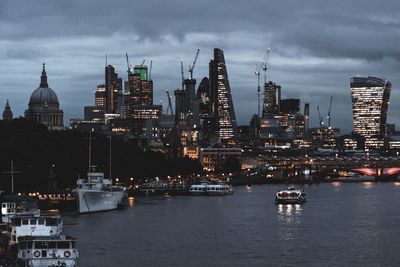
x=370, y=100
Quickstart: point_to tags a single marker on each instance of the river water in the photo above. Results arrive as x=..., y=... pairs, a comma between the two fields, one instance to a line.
x=342, y=224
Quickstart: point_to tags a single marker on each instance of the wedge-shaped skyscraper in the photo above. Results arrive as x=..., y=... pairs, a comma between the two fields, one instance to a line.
x=221, y=98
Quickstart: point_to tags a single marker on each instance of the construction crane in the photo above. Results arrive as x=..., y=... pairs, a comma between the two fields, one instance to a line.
x=169, y=108
x=183, y=76
x=191, y=67
x=263, y=66
x=151, y=66
x=329, y=113
x=321, y=121
x=144, y=60
x=127, y=63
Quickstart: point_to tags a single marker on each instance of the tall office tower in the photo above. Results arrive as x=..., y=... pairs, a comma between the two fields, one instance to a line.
x=205, y=115
x=7, y=113
x=140, y=87
x=100, y=96
x=272, y=99
x=221, y=98
x=112, y=86
x=123, y=101
x=370, y=98
x=306, y=119
x=181, y=108
x=192, y=102
x=203, y=94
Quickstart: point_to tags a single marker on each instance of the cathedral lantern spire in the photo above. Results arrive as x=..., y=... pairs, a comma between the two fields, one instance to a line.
x=43, y=78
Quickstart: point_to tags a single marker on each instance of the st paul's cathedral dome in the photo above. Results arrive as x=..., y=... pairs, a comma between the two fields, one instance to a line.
x=44, y=107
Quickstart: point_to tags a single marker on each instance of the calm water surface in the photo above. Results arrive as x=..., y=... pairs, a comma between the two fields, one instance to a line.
x=342, y=224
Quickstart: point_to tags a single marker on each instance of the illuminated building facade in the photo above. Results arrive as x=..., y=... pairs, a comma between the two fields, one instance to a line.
x=272, y=99
x=147, y=112
x=370, y=101
x=100, y=96
x=140, y=87
x=221, y=99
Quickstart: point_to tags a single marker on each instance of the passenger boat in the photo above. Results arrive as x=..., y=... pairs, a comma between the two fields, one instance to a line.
x=47, y=251
x=38, y=241
x=210, y=189
x=98, y=194
x=13, y=205
x=290, y=196
x=28, y=225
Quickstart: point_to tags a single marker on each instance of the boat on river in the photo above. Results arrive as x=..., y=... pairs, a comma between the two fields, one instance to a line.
x=210, y=189
x=38, y=241
x=47, y=251
x=97, y=193
x=290, y=195
x=15, y=205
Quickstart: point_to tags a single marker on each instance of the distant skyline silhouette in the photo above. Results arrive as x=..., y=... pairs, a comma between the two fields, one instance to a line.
x=315, y=48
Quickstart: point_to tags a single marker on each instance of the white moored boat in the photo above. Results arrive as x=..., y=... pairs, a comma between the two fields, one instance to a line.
x=47, y=251
x=290, y=196
x=38, y=241
x=210, y=189
x=98, y=194
x=15, y=205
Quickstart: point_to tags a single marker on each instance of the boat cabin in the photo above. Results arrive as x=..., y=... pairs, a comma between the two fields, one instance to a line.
x=51, y=225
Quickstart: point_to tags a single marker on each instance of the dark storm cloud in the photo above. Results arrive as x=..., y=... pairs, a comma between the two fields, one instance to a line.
x=316, y=46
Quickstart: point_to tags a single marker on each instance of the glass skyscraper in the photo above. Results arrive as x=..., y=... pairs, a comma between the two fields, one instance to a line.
x=370, y=101
x=221, y=98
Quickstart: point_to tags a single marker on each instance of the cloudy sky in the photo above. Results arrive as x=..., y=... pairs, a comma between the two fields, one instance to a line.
x=316, y=46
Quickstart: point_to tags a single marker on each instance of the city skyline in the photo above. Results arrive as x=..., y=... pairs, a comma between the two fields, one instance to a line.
x=314, y=50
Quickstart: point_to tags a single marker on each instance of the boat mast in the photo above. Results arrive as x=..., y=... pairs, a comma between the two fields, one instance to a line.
x=110, y=155
x=12, y=177
x=90, y=149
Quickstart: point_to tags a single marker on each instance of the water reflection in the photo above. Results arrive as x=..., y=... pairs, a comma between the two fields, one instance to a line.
x=367, y=185
x=397, y=183
x=131, y=201
x=289, y=213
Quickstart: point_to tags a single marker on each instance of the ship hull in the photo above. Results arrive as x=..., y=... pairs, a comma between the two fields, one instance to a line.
x=95, y=201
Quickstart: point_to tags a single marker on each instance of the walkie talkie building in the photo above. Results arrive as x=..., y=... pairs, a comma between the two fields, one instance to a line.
x=370, y=101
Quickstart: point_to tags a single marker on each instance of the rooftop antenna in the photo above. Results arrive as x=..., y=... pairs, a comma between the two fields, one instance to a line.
x=106, y=59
